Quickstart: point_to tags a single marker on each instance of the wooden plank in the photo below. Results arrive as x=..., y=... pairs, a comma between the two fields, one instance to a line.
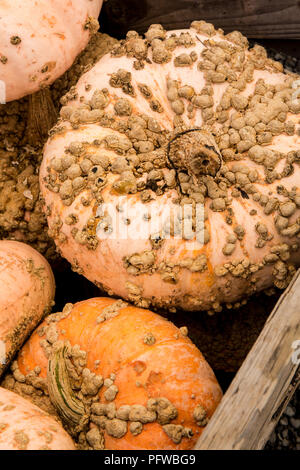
x=254, y=18
x=262, y=387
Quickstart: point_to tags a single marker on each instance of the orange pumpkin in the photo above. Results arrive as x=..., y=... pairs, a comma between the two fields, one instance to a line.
x=121, y=377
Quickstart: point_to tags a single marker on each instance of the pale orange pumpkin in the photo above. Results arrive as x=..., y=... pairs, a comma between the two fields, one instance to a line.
x=181, y=118
x=23, y=426
x=27, y=290
x=120, y=377
x=40, y=40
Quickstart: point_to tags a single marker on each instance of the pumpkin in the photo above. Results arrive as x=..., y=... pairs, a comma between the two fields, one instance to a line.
x=40, y=40
x=172, y=176
x=26, y=294
x=119, y=377
x=23, y=426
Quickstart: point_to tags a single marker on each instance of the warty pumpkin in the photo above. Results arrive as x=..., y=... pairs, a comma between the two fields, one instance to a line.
x=186, y=118
x=27, y=290
x=40, y=40
x=119, y=377
x=23, y=426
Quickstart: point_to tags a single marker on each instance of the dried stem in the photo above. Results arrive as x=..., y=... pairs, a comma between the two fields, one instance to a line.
x=68, y=406
x=42, y=115
x=196, y=151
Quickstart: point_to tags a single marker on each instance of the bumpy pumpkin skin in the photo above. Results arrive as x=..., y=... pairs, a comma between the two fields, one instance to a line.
x=168, y=365
x=40, y=40
x=23, y=426
x=244, y=102
x=27, y=289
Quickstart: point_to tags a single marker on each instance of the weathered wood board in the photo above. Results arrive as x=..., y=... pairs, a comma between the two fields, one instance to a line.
x=254, y=18
x=263, y=385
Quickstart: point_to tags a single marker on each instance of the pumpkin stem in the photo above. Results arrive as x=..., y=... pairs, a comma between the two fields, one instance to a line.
x=42, y=115
x=70, y=409
x=196, y=151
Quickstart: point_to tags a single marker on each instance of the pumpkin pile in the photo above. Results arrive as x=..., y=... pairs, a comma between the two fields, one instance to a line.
x=169, y=180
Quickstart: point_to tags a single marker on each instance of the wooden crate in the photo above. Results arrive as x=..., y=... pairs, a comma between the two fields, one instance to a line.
x=264, y=384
